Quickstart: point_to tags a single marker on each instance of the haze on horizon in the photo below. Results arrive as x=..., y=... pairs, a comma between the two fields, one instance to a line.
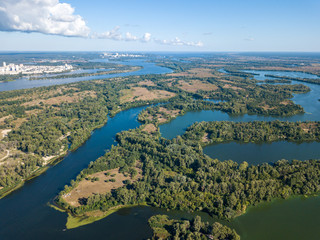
x=204, y=25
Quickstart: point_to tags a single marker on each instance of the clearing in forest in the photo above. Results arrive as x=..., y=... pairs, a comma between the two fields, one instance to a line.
x=195, y=85
x=141, y=93
x=98, y=183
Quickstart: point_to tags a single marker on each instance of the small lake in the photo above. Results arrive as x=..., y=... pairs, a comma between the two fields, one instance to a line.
x=263, y=153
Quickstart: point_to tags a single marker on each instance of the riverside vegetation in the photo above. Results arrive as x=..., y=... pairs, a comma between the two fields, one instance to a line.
x=165, y=228
x=174, y=174
x=43, y=122
x=177, y=175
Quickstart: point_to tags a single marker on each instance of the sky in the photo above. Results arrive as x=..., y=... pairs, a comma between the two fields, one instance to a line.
x=166, y=25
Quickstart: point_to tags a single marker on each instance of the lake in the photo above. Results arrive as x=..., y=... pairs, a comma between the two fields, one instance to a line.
x=254, y=153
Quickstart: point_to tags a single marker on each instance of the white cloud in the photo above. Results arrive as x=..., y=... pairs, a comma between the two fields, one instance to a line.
x=130, y=37
x=250, y=39
x=53, y=17
x=44, y=16
x=114, y=34
x=178, y=42
x=146, y=37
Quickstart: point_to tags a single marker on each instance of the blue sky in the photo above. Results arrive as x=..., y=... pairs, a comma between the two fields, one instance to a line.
x=175, y=25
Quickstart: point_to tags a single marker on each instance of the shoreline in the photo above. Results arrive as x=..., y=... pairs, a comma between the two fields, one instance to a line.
x=52, y=162
x=6, y=191
x=75, y=221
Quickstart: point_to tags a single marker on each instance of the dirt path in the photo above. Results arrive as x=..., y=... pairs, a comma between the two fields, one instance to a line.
x=8, y=152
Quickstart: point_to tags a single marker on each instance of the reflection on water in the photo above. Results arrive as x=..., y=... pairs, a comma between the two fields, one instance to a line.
x=264, y=152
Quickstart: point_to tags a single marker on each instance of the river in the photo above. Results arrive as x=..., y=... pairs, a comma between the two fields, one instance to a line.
x=147, y=68
x=25, y=214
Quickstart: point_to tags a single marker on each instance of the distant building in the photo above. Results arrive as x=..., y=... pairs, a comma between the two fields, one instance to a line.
x=13, y=69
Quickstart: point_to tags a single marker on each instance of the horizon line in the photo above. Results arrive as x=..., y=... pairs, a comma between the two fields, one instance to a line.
x=137, y=51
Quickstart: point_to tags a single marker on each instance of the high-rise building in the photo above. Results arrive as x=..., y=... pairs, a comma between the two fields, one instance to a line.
x=4, y=64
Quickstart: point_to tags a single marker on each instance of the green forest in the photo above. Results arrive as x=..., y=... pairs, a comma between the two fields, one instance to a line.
x=165, y=228
x=49, y=121
x=177, y=175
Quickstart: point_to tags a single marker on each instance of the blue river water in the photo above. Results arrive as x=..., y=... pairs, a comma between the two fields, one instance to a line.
x=147, y=68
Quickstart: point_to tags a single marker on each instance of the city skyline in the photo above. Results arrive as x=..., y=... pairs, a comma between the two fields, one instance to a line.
x=202, y=26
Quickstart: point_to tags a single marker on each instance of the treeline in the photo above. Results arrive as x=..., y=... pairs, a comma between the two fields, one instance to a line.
x=257, y=131
x=8, y=78
x=96, y=65
x=176, y=66
x=171, y=229
x=273, y=81
x=238, y=73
